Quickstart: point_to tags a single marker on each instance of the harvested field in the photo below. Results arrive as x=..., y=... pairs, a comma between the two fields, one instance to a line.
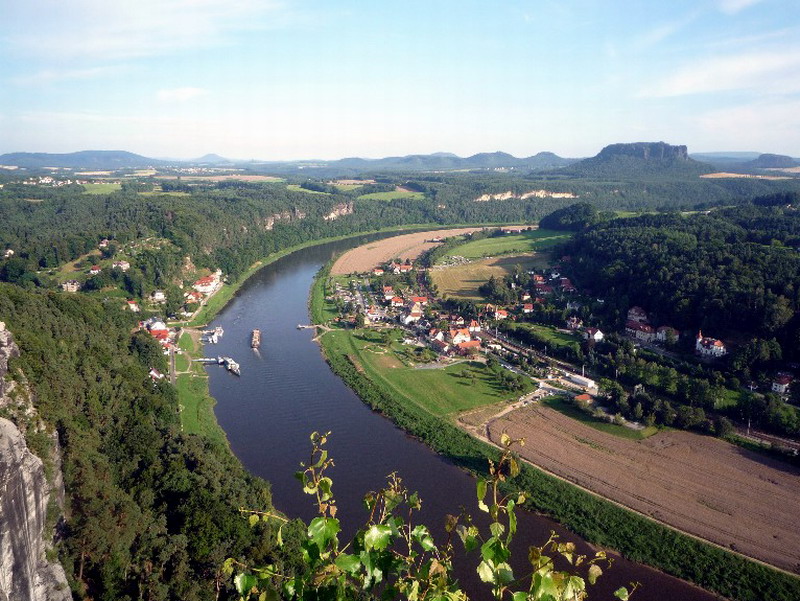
x=726, y=175
x=407, y=246
x=463, y=281
x=698, y=484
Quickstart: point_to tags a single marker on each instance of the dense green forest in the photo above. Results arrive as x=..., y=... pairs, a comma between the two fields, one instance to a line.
x=150, y=512
x=733, y=272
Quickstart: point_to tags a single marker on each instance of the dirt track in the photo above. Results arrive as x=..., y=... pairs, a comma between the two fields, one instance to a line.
x=697, y=484
x=406, y=246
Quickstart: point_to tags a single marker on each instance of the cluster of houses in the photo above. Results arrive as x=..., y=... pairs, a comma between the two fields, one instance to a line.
x=394, y=267
x=459, y=338
x=156, y=327
x=639, y=328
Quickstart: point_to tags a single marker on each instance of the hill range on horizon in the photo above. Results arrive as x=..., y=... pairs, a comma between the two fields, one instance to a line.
x=625, y=157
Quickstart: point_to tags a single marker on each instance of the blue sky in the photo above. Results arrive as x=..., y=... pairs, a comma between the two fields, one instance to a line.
x=333, y=78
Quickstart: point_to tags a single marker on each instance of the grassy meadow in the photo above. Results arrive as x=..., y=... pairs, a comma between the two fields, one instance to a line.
x=526, y=242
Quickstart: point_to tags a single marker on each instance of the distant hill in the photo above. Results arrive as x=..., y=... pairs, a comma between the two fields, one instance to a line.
x=639, y=160
x=85, y=159
x=442, y=161
x=772, y=161
x=211, y=159
x=439, y=161
x=724, y=158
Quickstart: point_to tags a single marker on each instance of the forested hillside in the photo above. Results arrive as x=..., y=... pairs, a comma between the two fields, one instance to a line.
x=150, y=512
x=731, y=272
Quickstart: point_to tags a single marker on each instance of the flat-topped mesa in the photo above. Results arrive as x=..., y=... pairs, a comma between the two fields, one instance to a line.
x=646, y=150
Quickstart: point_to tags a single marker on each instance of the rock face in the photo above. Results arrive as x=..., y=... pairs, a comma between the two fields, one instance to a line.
x=25, y=573
x=646, y=150
x=772, y=161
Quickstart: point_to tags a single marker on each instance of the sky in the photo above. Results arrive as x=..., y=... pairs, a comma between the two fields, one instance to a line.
x=326, y=79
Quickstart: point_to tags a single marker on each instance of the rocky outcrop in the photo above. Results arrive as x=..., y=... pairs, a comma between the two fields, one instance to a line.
x=25, y=572
x=339, y=210
x=648, y=151
x=772, y=161
x=284, y=217
x=525, y=195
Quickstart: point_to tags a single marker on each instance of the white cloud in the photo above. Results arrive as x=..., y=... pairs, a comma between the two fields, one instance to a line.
x=762, y=72
x=732, y=7
x=180, y=94
x=771, y=126
x=122, y=29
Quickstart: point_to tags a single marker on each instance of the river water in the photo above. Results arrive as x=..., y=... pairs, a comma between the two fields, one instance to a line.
x=286, y=391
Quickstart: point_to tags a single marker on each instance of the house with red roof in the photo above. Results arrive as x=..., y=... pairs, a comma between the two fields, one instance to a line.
x=640, y=331
x=709, y=347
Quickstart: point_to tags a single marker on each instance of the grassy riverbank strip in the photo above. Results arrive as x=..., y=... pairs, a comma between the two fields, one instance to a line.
x=593, y=518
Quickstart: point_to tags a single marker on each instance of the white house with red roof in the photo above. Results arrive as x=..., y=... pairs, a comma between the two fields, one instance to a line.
x=781, y=383
x=640, y=331
x=474, y=327
x=501, y=314
x=133, y=306
x=206, y=284
x=95, y=269
x=527, y=308
x=397, y=301
x=593, y=334
x=706, y=346
x=459, y=335
x=377, y=271
x=121, y=265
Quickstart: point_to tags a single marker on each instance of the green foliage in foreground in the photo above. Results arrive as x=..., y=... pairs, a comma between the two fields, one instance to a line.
x=393, y=557
x=595, y=519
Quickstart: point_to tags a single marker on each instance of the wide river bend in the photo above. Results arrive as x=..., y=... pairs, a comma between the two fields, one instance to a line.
x=286, y=391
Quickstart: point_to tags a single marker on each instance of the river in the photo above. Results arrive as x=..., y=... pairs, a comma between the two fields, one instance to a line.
x=286, y=391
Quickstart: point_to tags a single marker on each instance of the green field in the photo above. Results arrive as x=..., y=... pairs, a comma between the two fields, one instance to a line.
x=563, y=405
x=549, y=334
x=348, y=187
x=101, y=188
x=441, y=392
x=463, y=281
x=525, y=242
x=394, y=195
x=299, y=188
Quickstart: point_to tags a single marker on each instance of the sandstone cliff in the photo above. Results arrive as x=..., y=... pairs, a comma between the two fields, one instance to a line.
x=25, y=572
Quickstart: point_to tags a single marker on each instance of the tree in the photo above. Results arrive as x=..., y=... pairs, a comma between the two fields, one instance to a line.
x=392, y=556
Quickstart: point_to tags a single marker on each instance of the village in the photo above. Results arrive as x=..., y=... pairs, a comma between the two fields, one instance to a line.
x=396, y=294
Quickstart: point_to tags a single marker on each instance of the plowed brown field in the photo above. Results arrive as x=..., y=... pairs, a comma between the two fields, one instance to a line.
x=697, y=484
x=406, y=246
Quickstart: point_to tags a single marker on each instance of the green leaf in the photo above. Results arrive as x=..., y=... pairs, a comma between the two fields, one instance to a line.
x=253, y=519
x=519, y=596
x=377, y=537
x=423, y=537
x=621, y=593
x=322, y=531
x=324, y=485
x=280, y=536
x=595, y=571
x=348, y=563
x=505, y=439
x=495, y=551
x=244, y=583
x=496, y=528
x=485, y=572
x=504, y=574
x=481, y=490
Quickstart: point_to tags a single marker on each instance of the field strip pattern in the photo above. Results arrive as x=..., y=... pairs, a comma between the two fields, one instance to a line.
x=697, y=484
x=405, y=246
